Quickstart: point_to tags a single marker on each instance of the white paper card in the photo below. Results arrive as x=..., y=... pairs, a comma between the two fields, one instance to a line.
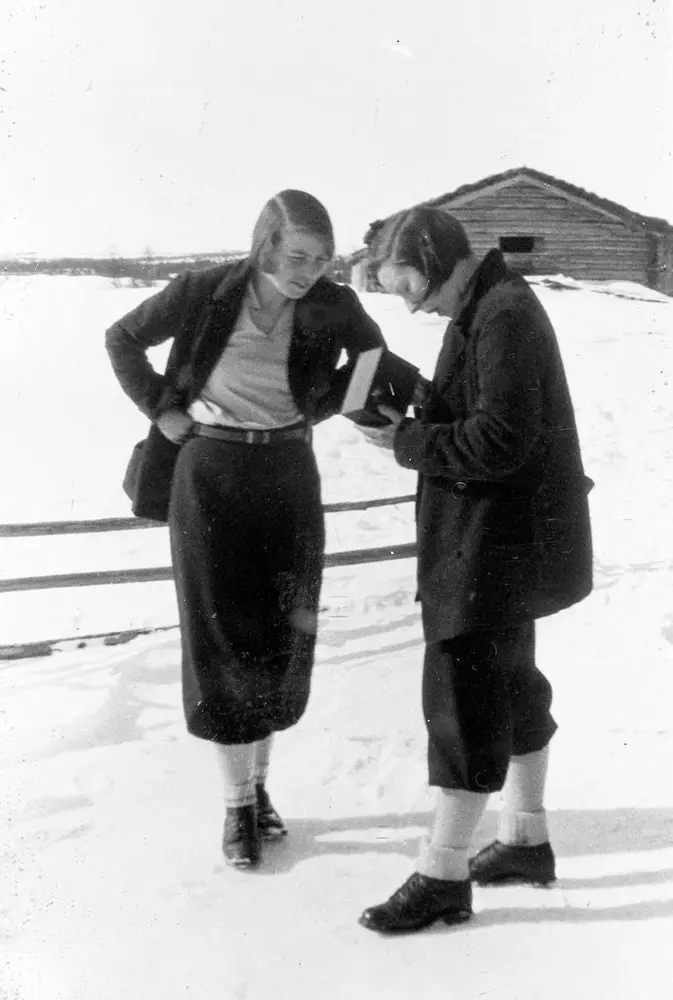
x=361, y=380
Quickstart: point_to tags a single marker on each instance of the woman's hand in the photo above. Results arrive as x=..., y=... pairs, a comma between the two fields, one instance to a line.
x=175, y=425
x=383, y=437
x=421, y=390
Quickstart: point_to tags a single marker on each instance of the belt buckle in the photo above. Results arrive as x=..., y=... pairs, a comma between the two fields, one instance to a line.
x=257, y=437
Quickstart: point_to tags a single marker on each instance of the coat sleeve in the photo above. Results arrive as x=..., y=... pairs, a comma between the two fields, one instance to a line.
x=357, y=332
x=505, y=428
x=156, y=320
x=361, y=332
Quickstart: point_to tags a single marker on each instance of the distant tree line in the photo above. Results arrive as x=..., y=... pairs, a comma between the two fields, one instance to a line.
x=138, y=271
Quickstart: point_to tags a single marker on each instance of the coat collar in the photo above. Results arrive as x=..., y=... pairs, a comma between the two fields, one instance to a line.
x=221, y=310
x=490, y=272
x=234, y=280
x=313, y=310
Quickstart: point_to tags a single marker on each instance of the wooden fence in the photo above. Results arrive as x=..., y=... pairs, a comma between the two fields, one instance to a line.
x=149, y=574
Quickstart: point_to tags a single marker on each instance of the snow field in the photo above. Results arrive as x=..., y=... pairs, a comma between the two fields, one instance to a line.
x=114, y=884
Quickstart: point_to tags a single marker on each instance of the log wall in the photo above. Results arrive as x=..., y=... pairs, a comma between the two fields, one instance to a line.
x=575, y=239
x=664, y=272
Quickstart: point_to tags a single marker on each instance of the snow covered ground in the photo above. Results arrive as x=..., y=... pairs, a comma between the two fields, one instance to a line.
x=113, y=885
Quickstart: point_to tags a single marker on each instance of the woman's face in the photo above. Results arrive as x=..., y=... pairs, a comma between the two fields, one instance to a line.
x=407, y=282
x=412, y=286
x=296, y=264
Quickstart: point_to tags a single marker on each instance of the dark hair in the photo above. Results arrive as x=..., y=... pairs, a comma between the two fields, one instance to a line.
x=289, y=208
x=428, y=239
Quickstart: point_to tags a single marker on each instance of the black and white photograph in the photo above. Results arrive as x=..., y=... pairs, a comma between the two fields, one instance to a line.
x=336, y=590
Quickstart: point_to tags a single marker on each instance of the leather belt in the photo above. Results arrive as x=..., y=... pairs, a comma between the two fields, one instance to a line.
x=240, y=435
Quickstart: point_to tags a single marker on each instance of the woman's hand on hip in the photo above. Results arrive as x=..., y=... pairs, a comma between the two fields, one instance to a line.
x=175, y=425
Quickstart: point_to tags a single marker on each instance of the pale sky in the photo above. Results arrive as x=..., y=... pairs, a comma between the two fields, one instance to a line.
x=160, y=124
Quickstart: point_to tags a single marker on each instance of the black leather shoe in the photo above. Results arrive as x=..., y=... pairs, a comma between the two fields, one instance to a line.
x=240, y=840
x=500, y=862
x=269, y=823
x=418, y=903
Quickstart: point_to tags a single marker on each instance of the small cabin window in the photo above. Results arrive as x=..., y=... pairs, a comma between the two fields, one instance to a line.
x=518, y=244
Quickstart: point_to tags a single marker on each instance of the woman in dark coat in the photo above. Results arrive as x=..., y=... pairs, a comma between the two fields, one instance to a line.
x=503, y=539
x=254, y=363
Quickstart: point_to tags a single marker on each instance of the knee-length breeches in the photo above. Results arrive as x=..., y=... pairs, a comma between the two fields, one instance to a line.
x=247, y=541
x=483, y=700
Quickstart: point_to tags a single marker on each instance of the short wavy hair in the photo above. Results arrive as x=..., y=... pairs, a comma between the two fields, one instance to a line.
x=428, y=239
x=289, y=208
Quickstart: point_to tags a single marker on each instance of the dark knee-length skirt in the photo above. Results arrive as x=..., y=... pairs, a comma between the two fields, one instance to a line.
x=247, y=542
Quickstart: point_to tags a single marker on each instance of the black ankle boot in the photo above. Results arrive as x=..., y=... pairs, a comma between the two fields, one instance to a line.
x=269, y=823
x=500, y=862
x=240, y=840
x=419, y=902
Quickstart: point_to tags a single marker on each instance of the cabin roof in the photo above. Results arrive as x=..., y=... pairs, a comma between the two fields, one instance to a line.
x=603, y=204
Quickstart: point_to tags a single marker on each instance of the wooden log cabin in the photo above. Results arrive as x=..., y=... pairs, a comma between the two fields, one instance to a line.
x=544, y=225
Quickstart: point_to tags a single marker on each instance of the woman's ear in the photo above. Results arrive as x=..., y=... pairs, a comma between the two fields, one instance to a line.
x=265, y=259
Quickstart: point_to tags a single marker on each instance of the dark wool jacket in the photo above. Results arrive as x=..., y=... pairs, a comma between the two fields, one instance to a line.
x=502, y=510
x=198, y=310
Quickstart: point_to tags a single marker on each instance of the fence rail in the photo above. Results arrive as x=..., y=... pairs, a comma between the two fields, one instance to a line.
x=152, y=574
x=36, y=528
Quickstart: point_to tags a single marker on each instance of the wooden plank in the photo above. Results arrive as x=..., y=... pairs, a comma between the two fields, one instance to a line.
x=38, y=528
x=31, y=650
x=340, y=508
x=34, y=529
x=99, y=578
x=150, y=574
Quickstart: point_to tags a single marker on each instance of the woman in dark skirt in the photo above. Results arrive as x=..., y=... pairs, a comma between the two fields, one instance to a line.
x=254, y=363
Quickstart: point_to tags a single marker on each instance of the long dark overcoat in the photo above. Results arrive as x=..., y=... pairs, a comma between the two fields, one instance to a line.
x=199, y=310
x=502, y=511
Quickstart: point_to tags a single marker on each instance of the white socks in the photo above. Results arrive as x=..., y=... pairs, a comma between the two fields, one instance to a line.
x=262, y=759
x=523, y=820
x=457, y=816
x=449, y=863
x=236, y=762
x=243, y=766
x=523, y=829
